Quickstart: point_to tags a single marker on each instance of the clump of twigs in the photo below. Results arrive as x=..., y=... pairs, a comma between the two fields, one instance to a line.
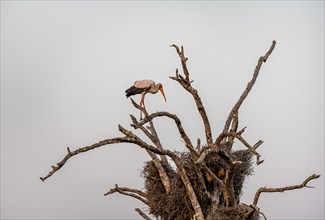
x=206, y=181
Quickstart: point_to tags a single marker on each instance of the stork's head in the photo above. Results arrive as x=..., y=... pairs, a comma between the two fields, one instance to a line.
x=160, y=87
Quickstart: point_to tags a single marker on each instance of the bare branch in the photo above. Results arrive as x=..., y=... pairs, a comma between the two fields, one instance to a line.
x=129, y=138
x=153, y=136
x=190, y=191
x=178, y=123
x=143, y=215
x=258, y=144
x=234, y=126
x=198, y=146
x=249, y=87
x=221, y=137
x=183, y=60
x=186, y=83
x=203, y=155
x=268, y=53
x=129, y=192
x=136, y=140
x=162, y=173
x=70, y=154
x=271, y=190
x=126, y=189
x=144, y=130
x=229, y=189
x=252, y=149
x=137, y=106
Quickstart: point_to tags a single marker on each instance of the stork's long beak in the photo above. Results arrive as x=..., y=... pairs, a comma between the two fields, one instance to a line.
x=162, y=92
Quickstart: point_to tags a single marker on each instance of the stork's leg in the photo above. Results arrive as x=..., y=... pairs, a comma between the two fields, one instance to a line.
x=140, y=113
x=144, y=107
x=142, y=104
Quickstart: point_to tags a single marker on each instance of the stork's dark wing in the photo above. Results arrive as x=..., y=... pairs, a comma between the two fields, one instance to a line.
x=134, y=90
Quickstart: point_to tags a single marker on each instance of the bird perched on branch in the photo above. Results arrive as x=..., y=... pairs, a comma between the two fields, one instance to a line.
x=143, y=87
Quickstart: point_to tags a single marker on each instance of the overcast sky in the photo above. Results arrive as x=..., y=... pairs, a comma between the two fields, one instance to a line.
x=65, y=67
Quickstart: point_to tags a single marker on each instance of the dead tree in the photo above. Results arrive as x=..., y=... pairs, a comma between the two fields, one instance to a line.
x=208, y=179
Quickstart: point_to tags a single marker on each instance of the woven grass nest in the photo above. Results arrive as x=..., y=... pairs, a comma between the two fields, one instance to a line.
x=177, y=205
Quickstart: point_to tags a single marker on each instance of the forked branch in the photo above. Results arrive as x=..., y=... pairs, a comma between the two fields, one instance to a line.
x=129, y=138
x=135, y=193
x=231, y=135
x=152, y=135
x=186, y=83
x=250, y=85
x=70, y=153
x=183, y=61
x=178, y=123
x=271, y=190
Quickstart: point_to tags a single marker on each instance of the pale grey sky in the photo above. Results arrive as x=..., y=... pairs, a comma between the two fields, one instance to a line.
x=66, y=64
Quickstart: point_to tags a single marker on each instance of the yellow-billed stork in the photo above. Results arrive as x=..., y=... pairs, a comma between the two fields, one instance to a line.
x=143, y=87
